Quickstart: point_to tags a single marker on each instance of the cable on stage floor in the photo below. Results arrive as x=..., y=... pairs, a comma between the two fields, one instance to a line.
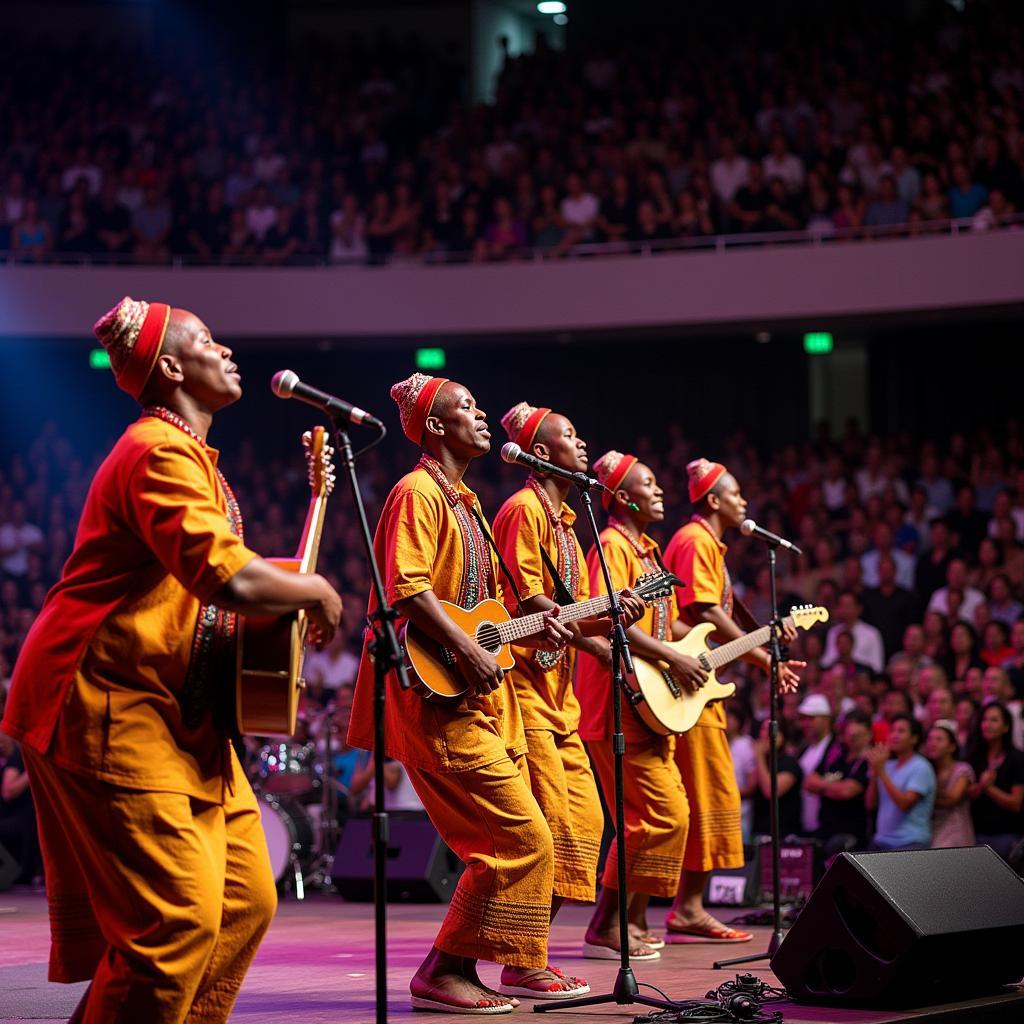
x=733, y=1002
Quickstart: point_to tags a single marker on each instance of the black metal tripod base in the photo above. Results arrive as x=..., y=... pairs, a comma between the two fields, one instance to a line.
x=773, y=947
x=626, y=991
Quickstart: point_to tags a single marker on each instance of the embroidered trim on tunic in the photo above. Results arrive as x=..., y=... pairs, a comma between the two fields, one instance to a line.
x=661, y=625
x=212, y=661
x=726, y=578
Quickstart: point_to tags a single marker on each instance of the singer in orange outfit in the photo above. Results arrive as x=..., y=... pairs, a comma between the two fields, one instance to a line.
x=466, y=759
x=535, y=535
x=157, y=874
x=656, y=810
x=696, y=554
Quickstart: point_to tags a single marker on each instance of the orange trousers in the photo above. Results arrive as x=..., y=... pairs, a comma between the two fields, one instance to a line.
x=657, y=814
x=159, y=898
x=501, y=908
x=716, y=833
x=563, y=783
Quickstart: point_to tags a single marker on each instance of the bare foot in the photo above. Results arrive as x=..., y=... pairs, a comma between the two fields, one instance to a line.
x=610, y=939
x=469, y=970
x=455, y=990
x=702, y=920
x=643, y=935
x=544, y=979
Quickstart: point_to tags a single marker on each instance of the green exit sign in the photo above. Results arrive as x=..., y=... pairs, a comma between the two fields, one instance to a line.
x=98, y=359
x=430, y=359
x=817, y=343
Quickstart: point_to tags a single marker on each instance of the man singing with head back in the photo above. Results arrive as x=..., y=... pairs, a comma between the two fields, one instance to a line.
x=157, y=872
x=534, y=532
x=465, y=759
x=696, y=555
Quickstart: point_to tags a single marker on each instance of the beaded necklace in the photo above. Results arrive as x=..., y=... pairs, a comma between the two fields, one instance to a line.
x=212, y=659
x=662, y=606
x=726, y=578
x=475, y=585
x=568, y=563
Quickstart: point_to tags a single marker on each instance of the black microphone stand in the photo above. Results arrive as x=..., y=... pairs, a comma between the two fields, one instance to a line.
x=626, y=989
x=387, y=657
x=778, y=934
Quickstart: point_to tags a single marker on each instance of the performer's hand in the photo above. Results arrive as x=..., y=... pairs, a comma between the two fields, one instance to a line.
x=687, y=671
x=324, y=616
x=555, y=635
x=789, y=680
x=479, y=668
x=632, y=608
x=789, y=632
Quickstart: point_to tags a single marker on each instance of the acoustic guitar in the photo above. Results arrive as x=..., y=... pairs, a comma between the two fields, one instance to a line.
x=271, y=650
x=665, y=705
x=432, y=668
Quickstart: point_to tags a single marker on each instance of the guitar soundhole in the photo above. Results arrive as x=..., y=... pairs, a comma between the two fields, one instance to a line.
x=488, y=638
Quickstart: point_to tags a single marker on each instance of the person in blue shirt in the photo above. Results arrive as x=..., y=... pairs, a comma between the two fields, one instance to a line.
x=902, y=788
x=966, y=197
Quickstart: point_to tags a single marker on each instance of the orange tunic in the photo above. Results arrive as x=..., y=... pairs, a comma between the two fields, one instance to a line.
x=419, y=547
x=593, y=678
x=715, y=839
x=103, y=681
x=560, y=774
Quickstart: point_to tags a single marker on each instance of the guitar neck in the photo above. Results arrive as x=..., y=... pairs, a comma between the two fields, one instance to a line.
x=528, y=625
x=721, y=656
x=309, y=545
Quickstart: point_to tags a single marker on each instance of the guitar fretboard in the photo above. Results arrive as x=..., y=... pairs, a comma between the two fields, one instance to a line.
x=528, y=625
x=719, y=656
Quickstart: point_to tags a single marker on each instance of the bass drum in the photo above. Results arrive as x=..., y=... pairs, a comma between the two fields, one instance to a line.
x=288, y=829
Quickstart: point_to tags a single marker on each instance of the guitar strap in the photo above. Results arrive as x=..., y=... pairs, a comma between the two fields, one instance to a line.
x=562, y=595
x=501, y=561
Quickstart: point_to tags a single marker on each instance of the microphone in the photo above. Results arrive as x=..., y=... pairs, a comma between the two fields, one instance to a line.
x=286, y=384
x=511, y=452
x=750, y=529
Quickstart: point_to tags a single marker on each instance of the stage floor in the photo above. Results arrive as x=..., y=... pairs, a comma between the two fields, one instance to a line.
x=316, y=967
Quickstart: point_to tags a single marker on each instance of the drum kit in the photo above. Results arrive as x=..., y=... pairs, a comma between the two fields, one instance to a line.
x=294, y=782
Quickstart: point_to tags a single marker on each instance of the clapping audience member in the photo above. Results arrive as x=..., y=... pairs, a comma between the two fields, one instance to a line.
x=901, y=788
x=816, y=717
x=951, y=819
x=997, y=794
x=790, y=776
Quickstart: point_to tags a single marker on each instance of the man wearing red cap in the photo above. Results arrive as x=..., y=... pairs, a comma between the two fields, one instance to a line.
x=534, y=532
x=156, y=865
x=465, y=759
x=656, y=811
x=696, y=555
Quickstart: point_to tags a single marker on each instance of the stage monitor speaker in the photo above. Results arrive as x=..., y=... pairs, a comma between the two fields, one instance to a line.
x=420, y=867
x=10, y=868
x=908, y=928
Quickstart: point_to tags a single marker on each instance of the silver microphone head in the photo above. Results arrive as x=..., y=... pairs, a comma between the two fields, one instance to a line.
x=283, y=383
x=747, y=527
x=510, y=452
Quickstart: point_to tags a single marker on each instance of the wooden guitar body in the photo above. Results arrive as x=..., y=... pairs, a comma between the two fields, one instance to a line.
x=433, y=668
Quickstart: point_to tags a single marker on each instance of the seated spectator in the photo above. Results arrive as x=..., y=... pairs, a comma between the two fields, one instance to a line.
x=348, y=232
x=648, y=228
x=906, y=176
x=997, y=794
x=19, y=540
x=902, y=788
x=790, y=777
x=76, y=233
x=747, y=209
x=151, y=227
x=730, y=171
x=849, y=210
x=840, y=782
x=781, y=164
x=951, y=819
x=997, y=212
x=781, y=211
x=693, y=218
x=956, y=579
x=261, y=214
x=816, y=718
x=995, y=649
x=112, y=221
x=579, y=210
x=966, y=520
x=1001, y=604
x=939, y=707
x=30, y=236
x=440, y=218
x=240, y=244
x=549, y=229
x=887, y=208
x=913, y=649
x=819, y=207
x=468, y=240
x=966, y=196
x=405, y=220
x=279, y=243
x=506, y=234
x=996, y=687
x=932, y=203
x=868, y=648
x=208, y=233
x=965, y=715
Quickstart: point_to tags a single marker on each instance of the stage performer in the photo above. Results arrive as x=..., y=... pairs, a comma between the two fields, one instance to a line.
x=655, y=804
x=537, y=519
x=696, y=555
x=157, y=873
x=465, y=759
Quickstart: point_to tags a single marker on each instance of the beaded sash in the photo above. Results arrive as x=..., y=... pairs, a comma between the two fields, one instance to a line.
x=661, y=625
x=476, y=577
x=211, y=664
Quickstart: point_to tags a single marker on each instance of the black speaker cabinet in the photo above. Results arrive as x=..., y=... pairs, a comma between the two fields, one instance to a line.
x=420, y=867
x=907, y=928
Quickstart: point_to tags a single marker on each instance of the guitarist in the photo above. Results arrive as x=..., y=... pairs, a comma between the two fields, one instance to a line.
x=534, y=532
x=655, y=804
x=465, y=760
x=157, y=871
x=696, y=555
